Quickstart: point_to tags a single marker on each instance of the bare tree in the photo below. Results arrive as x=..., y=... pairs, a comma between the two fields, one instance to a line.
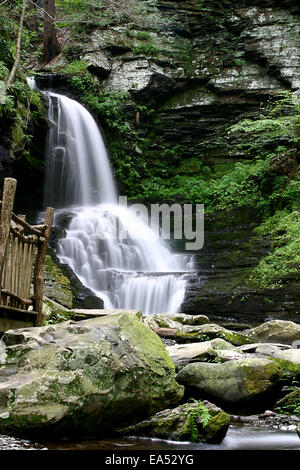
x=15, y=66
x=51, y=44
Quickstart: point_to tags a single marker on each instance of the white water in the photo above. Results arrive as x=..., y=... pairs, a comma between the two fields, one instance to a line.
x=139, y=272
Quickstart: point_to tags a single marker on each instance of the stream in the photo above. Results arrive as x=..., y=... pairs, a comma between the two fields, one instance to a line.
x=237, y=438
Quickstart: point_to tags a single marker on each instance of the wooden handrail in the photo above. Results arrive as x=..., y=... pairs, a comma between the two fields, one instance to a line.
x=23, y=248
x=37, y=230
x=19, y=299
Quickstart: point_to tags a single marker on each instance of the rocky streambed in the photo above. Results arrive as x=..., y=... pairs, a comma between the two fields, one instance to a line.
x=112, y=376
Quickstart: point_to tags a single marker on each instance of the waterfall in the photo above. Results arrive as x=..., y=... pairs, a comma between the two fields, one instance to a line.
x=138, y=272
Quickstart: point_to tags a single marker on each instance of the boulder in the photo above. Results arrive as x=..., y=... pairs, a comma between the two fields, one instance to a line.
x=174, y=320
x=273, y=331
x=267, y=349
x=83, y=378
x=263, y=347
x=183, y=354
x=186, y=422
x=226, y=355
x=291, y=355
x=243, y=381
x=209, y=331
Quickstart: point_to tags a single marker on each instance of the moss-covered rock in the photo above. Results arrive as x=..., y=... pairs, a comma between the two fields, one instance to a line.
x=197, y=422
x=210, y=331
x=275, y=331
x=290, y=369
x=240, y=382
x=84, y=378
x=57, y=285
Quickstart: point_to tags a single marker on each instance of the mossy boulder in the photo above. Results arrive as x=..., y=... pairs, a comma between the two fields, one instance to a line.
x=186, y=422
x=208, y=332
x=83, y=378
x=57, y=285
x=275, y=331
x=237, y=382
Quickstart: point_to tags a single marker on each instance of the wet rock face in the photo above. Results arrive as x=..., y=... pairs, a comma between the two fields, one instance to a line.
x=85, y=378
x=207, y=67
x=219, y=288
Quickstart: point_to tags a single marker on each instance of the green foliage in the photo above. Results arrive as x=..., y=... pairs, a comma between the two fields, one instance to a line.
x=83, y=16
x=143, y=35
x=283, y=263
x=280, y=117
x=4, y=72
x=196, y=415
x=146, y=49
x=291, y=403
x=75, y=67
x=59, y=318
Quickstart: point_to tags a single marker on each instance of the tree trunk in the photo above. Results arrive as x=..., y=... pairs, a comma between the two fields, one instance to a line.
x=14, y=69
x=51, y=44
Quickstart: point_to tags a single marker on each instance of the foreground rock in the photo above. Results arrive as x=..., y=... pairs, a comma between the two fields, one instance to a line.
x=186, y=422
x=83, y=378
x=240, y=382
x=275, y=331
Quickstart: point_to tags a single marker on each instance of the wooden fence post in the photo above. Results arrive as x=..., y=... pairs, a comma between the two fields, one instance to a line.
x=9, y=190
x=38, y=280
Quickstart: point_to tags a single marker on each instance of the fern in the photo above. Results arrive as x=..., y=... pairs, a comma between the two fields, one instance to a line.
x=194, y=414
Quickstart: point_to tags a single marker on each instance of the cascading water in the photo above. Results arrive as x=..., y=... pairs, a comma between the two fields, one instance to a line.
x=138, y=272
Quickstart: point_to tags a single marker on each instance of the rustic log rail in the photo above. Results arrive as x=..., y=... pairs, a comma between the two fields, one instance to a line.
x=23, y=249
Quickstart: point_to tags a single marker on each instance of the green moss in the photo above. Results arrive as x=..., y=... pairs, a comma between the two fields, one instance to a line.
x=54, y=271
x=254, y=380
x=217, y=423
x=290, y=369
x=57, y=285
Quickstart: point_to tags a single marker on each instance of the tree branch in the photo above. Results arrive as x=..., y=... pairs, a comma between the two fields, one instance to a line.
x=14, y=69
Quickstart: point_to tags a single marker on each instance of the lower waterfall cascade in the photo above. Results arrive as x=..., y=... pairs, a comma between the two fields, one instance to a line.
x=139, y=272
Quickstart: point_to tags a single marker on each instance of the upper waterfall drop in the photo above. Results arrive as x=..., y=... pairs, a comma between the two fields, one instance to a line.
x=138, y=272
x=77, y=166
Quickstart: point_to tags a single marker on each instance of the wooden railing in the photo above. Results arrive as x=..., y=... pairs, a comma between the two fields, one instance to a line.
x=23, y=249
